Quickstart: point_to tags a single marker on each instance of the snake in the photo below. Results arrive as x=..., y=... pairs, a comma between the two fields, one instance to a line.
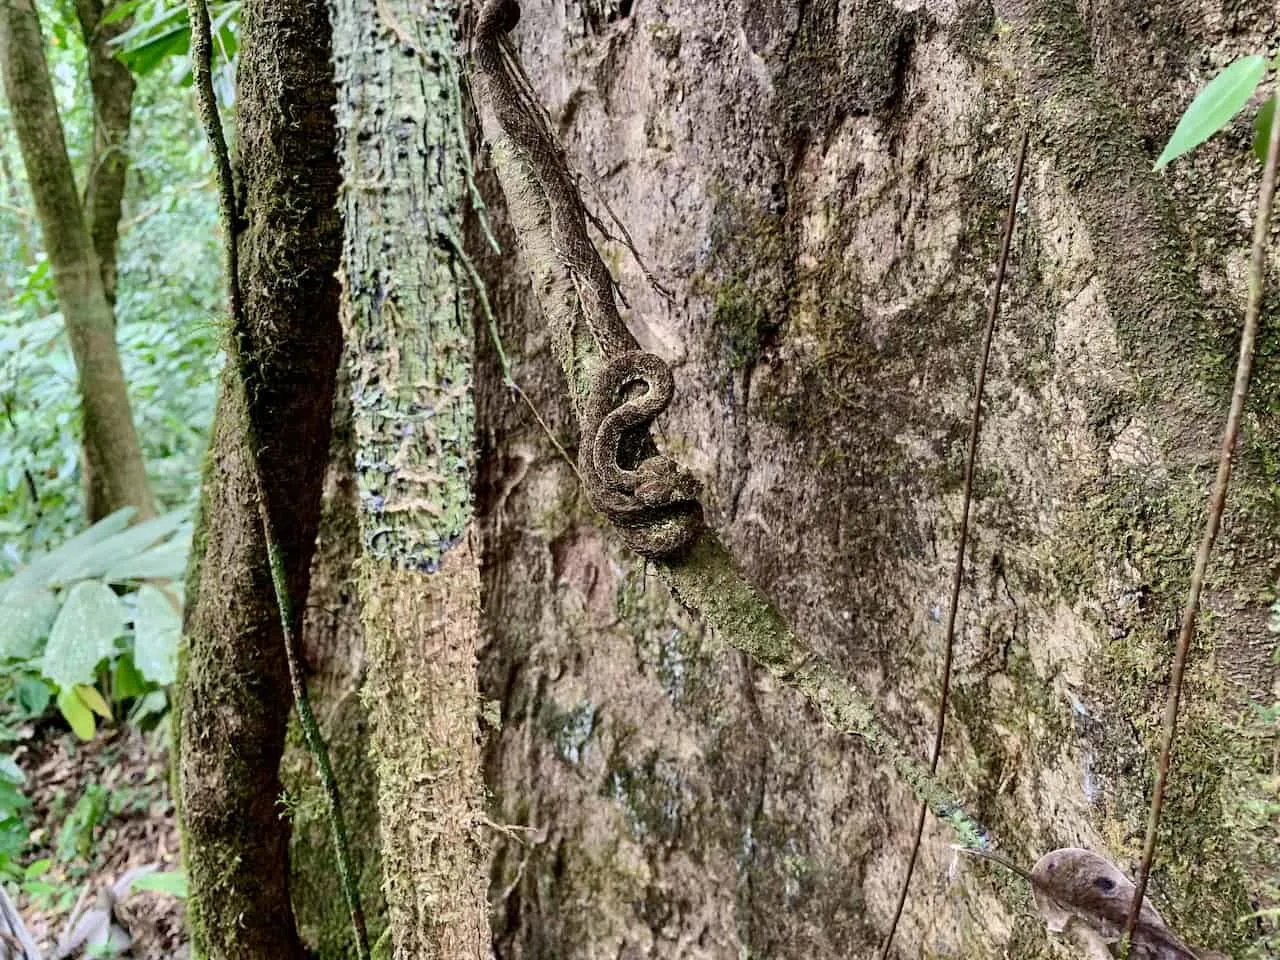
x=651, y=500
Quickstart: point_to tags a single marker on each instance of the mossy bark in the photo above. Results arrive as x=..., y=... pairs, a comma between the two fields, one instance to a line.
x=234, y=696
x=114, y=475
x=820, y=186
x=410, y=336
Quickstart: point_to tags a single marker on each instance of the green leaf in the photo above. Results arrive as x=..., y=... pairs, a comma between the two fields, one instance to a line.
x=34, y=695
x=150, y=705
x=78, y=716
x=1214, y=106
x=93, y=700
x=25, y=620
x=37, y=869
x=165, y=562
x=173, y=883
x=36, y=573
x=156, y=628
x=10, y=771
x=126, y=8
x=127, y=682
x=83, y=635
x=118, y=548
x=1262, y=128
x=11, y=801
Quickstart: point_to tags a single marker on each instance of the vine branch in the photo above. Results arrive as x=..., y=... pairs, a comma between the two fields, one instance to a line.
x=1217, y=502
x=957, y=577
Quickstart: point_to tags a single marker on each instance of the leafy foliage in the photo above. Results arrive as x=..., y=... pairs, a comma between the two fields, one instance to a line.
x=1217, y=104
x=88, y=607
x=169, y=296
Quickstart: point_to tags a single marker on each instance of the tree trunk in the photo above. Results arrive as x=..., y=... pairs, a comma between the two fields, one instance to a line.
x=820, y=185
x=411, y=361
x=113, y=468
x=333, y=644
x=234, y=696
x=112, y=86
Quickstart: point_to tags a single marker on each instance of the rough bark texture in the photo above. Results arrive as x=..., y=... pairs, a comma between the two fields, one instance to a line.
x=411, y=357
x=113, y=470
x=234, y=689
x=112, y=86
x=821, y=186
x=333, y=642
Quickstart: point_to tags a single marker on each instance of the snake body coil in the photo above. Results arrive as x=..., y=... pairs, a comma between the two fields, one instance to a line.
x=651, y=501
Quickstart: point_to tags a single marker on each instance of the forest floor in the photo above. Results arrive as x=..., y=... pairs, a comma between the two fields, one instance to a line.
x=100, y=815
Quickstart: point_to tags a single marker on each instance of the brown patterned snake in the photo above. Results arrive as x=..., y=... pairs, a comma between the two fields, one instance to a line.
x=651, y=500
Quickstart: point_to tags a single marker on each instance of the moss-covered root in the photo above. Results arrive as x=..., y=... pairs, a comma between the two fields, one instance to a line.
x=710, y=584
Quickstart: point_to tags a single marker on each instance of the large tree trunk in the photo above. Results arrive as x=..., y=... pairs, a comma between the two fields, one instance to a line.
x=414, y=413
x=820, y=185
x=114, y=473
x=234, y=697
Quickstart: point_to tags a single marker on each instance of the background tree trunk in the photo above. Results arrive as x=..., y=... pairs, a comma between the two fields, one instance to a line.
x=234, y=697
x=414, y=414
x=112, y=86
x=821, y=186
x=114, y=475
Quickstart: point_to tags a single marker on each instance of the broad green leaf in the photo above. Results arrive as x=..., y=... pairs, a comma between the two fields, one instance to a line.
x=173, y=883
x=93, y=700
x=37, y=869
x=34, y=695
x=165, y=562
x=127, y=682
x=25, y=620
x=156, y=626
x=78, y=716
x=1262, y=128
x=1214, y=106
x=36, y=573
x=149, y=705
x=10, y=771
x=11, y=800
x=83, y=635
x=118, y=548
x=126, y=8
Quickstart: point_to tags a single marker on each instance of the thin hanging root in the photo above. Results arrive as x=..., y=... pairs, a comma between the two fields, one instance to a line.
x=1217, y=502
x=975, y=424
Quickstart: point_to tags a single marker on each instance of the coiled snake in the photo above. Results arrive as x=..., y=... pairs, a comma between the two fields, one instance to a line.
x=650, y=499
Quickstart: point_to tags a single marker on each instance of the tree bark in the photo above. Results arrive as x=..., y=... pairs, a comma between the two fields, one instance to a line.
x=113, y=469
x=112, y=86
x=820, y=186
x=234, y=694
x=411, y=359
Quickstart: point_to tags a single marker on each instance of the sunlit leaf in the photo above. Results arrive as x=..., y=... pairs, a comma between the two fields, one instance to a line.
x=94, y=700
x=118, y=548
x=173, y=883
x=25, y=621
x=78, y=716
x=83, y=635
x=156, y=627
x=1214, y=106
x=37, y=572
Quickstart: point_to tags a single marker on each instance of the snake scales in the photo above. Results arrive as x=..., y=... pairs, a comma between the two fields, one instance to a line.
x=648, y=497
